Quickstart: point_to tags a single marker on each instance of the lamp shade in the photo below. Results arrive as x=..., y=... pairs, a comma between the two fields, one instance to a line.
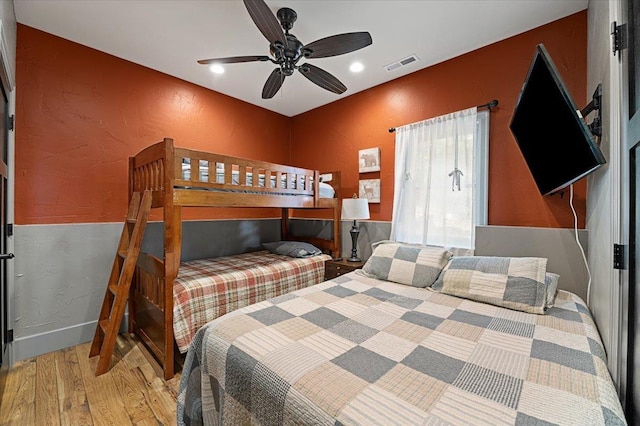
x=355, y=208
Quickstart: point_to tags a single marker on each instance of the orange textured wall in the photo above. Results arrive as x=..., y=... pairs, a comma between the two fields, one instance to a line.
x=81, y=113
x=330, y=137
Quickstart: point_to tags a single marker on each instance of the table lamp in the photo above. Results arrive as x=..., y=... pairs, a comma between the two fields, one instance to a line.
x=353, y=209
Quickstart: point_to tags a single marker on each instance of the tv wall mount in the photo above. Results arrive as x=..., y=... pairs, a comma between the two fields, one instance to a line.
x=596, y=102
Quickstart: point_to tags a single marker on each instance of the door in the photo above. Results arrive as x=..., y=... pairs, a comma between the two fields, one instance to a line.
x=4, y=299
x=631, y=192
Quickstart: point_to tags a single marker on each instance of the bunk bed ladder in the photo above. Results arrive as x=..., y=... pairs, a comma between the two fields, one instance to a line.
x=124, y=264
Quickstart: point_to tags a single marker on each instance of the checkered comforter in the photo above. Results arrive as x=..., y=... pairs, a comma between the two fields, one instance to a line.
x=355, y=350
x=208, y=288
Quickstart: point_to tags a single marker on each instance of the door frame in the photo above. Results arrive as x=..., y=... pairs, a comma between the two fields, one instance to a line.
x=630, y=276
x=7, y=80
x=617, y=358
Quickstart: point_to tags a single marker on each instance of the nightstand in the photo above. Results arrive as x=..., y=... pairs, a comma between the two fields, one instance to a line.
x=335, y=268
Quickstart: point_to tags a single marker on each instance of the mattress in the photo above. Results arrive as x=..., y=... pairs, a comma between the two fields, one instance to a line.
x=356, y=350
x=208, y=288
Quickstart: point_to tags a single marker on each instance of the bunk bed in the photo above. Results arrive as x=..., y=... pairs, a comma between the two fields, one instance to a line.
x=180, y=177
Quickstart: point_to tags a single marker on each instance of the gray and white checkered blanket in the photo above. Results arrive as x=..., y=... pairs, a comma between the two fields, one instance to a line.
x=356, y=350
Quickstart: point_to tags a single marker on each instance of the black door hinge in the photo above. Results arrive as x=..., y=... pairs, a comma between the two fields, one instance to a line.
x=9, y=336
x=618, y=37
x=9, y=229
x=11, y=121
x=618, y=256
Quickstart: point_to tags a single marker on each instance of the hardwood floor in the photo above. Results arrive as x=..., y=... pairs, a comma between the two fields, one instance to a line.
x=60, y=388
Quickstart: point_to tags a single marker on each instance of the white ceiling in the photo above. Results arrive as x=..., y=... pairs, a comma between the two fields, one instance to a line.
x=170, y=36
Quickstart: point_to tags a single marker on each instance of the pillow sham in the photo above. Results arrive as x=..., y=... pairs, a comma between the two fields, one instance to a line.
x=511, y=282
x=551, y=282
x=293, y=248
x=408, y=264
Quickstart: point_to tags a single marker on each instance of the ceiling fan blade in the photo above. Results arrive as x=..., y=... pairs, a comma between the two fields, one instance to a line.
x=322, y=78
x=337, y=45
x=266, y=21
x=273, y=84
x=233, y=60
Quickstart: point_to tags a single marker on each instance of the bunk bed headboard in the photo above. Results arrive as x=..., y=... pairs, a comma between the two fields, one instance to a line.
x=148, y=171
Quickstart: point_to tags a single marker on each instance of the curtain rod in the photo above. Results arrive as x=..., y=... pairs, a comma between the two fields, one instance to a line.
x=489, y=105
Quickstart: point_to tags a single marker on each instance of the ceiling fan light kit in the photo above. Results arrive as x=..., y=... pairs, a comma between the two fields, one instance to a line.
x=286, y=50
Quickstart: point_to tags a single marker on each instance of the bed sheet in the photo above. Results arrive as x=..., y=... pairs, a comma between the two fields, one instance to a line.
x=208, y=288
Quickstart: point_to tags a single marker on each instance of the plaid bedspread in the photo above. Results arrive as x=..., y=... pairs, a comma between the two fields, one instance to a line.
x=355, y=350
x=208, y=288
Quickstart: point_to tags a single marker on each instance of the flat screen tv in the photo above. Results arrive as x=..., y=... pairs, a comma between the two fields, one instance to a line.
x=552, y=135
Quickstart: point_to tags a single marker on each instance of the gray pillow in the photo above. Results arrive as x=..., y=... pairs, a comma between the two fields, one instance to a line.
x=292, y=248
x=551, y=282
x=408, y=264
x=511, y=282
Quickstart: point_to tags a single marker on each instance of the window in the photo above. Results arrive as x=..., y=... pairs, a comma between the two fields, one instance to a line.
x=441, y=179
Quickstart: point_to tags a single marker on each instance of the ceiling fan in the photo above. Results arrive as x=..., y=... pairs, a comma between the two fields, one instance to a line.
x=286, y=50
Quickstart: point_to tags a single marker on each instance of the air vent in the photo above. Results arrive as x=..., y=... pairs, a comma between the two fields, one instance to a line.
x=401, y=63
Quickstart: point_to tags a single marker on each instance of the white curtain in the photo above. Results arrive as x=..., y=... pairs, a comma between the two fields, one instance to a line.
x=433, y=200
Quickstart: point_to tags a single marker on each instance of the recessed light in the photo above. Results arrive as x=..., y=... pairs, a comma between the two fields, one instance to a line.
x=216, y=69
x=356, y=67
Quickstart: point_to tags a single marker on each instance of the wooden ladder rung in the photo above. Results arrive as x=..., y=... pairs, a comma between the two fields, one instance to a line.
x=122, y=272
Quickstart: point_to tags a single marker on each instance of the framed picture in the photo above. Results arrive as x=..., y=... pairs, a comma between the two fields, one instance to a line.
x=369, y=160
x=370, y=189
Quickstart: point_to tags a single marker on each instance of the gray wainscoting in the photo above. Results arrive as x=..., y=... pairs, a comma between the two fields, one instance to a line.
x=370, y=232
x=556, y=244
x=61, y=271
x=215, y=238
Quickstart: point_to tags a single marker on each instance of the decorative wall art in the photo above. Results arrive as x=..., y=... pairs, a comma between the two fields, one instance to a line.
x=369, y=160
x=370, y=189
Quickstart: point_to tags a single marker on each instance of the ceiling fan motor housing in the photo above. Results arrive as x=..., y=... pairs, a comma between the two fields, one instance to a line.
x=288, y=57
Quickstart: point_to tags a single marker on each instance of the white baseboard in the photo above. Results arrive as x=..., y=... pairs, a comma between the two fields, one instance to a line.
x=42, y=343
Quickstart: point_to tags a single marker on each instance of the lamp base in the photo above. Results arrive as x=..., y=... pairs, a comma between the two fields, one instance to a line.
x=354, y=243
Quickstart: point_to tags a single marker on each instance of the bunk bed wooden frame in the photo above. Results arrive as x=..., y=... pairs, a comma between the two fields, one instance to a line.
x=158, y=168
